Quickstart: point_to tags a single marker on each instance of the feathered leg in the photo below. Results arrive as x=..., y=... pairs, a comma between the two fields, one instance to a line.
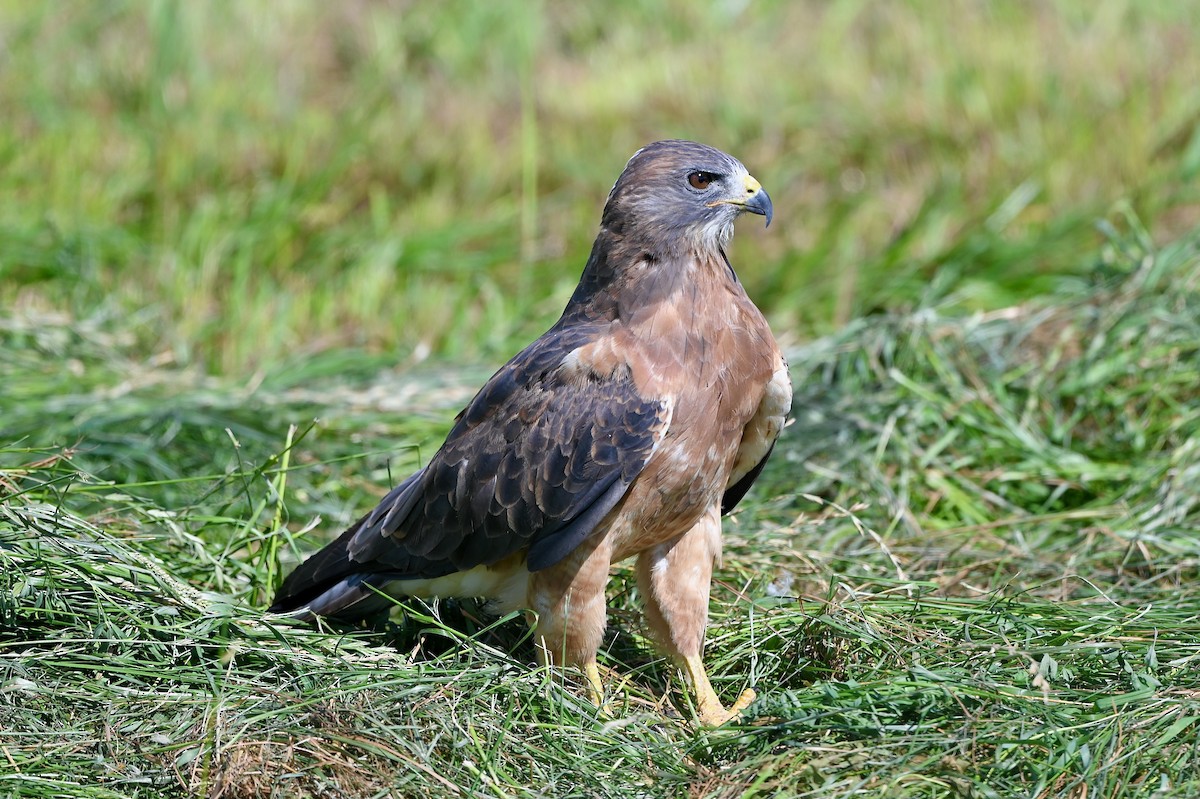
x=568, y=599
x=674, y=577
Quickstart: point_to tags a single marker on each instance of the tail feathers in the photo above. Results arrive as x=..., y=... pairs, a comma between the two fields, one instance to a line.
x=330, y=584
x=351, y=599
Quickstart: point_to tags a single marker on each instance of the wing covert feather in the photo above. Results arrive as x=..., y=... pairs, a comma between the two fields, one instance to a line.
x=536, y=460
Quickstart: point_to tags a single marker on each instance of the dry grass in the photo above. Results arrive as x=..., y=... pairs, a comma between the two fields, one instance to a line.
x=231, y=241
x=970, y=570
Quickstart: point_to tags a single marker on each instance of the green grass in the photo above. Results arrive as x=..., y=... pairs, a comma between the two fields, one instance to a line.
x=971, y=571
x=248, y=184
x=256, y=257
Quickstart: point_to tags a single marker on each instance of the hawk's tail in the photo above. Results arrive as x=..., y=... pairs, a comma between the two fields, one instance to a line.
x=331, y=585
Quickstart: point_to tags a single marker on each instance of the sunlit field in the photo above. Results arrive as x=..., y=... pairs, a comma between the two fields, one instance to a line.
x=254, y=257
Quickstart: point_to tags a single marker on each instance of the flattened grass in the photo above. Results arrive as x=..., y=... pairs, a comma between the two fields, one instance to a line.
x=971, y=570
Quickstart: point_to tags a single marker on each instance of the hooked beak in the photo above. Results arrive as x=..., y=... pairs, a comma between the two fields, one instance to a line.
x=760, y=203
x=755, y=200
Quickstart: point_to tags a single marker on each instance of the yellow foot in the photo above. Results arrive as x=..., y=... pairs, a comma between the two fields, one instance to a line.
x=595, y=687
x=709, y=710
x=713, y=714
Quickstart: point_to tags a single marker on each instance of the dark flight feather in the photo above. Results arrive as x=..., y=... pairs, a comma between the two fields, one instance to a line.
x=734, y=493
x=497, y=487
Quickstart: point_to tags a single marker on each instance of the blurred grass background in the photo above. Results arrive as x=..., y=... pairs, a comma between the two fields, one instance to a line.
x=244, y=184
x=230, y=232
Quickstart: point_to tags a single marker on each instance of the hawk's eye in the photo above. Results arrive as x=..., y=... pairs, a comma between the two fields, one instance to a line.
x=701, y=180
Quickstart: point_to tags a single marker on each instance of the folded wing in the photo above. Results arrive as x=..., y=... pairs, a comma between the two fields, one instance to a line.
x=534, y=463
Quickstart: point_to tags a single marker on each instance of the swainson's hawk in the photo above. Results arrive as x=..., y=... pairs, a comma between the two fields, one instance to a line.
x=628, y=428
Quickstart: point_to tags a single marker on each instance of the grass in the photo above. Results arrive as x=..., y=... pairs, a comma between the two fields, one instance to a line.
x=244, y=291
x=971, y=571
x=190, y=164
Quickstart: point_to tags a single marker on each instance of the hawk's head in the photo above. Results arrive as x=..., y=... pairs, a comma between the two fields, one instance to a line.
x=677, y=192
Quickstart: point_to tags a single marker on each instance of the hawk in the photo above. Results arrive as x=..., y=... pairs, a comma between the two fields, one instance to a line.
x=628, y=429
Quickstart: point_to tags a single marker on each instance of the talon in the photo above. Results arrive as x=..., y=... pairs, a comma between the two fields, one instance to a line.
x=715, y=715
x=743, y=702
x=709, y=710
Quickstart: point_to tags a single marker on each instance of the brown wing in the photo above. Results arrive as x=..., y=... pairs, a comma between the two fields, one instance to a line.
x=535, y=461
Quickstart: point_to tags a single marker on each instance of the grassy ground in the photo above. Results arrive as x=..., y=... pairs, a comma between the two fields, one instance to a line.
x=970, y=570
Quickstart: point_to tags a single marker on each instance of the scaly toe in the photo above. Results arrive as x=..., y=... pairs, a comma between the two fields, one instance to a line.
x=715, y=715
